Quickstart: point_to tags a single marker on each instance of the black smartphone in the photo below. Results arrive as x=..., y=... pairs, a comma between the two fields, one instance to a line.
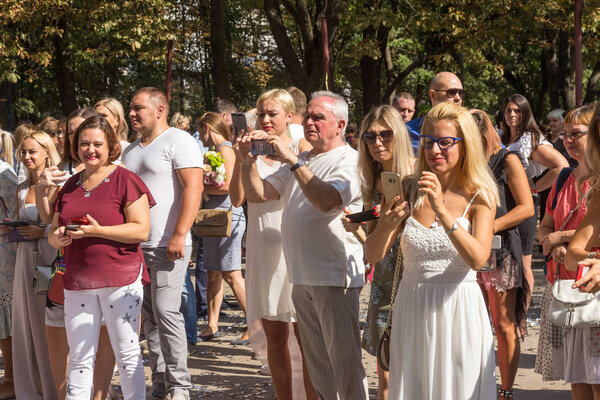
x=14, y=224
x=239, y=123
x=260, y=147
x=363, y=216
x=72, y=227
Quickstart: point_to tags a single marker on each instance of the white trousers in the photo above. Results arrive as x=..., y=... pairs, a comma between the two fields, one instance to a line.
x=121, y=307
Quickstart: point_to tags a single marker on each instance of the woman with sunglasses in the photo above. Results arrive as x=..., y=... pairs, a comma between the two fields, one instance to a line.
x=524, y=137
x=384, y=146
x=505, y=287
x=439, y=317
x=581, y=345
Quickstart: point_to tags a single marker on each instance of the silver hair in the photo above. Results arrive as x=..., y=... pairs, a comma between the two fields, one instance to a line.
x=340, y=107
x=251, y=119
x=556, y=113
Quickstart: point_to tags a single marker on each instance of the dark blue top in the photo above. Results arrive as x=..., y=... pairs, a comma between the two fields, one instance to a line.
x=414, y=131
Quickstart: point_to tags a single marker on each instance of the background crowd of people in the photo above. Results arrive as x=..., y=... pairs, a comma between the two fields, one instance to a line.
x=117, y=208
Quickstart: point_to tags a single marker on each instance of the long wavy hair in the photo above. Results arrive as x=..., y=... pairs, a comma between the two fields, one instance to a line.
x=370, y=170
x=527, y=123
x=116, y=109
x=591, y=160
x=46, y=142
x=474, y=174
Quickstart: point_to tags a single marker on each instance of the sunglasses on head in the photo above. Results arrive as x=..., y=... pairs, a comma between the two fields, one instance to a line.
x=370, y=137
x=452, y=92
x=444, y=143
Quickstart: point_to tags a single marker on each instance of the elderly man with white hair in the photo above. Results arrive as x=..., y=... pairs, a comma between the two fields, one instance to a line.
x=325, y=262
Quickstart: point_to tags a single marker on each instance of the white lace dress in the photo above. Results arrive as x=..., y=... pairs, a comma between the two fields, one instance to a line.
x=441, y=339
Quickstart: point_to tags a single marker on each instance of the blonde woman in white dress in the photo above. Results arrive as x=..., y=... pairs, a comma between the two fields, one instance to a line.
x=441, y=340
x=268, y=290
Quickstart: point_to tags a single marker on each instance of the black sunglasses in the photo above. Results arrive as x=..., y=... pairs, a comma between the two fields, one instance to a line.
x=452, y=92
x=370, y=137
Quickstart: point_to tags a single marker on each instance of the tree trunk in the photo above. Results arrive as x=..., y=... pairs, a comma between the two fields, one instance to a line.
x=218, y=40
x=370, y=75
x=64, y=74
x=591, y=90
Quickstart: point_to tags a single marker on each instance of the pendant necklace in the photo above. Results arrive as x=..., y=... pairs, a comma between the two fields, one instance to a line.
x=88, y=192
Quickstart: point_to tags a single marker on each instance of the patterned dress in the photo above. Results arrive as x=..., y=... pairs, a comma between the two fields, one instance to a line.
x=8, y=193
x=381, y=293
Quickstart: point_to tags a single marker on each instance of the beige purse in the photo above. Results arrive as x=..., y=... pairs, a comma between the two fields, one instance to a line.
x=383, y=350
x=213, y=223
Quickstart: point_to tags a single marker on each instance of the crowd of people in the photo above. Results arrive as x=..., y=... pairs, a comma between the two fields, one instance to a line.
x=114, y=211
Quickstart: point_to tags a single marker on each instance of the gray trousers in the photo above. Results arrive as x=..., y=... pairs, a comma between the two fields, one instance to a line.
x=163, y=324
x=330, y=334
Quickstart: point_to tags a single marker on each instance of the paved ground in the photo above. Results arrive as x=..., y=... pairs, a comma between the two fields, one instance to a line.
x=221, y=370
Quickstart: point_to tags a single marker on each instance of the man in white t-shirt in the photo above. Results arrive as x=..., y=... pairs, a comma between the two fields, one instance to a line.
x=325, y=263
x=169, y=162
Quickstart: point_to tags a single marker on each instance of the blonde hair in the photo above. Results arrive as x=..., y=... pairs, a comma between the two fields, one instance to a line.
x=21, y=131
x=215, y=123
x=46, y=142
x=178, y=120
x=591, y=161
x=7, y=147
x=116, y=108
x=370, y=170
x=281, y=97
x=474, y=174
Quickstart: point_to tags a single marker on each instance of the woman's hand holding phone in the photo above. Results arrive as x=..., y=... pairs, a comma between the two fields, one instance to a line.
x=32, y=231
x=392, y=217
x=82, y=227
x=60, y=234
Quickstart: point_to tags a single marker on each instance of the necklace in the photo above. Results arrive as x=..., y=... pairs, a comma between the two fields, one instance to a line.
x=88, y=192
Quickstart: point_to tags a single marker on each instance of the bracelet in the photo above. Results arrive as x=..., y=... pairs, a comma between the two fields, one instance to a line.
x=452, y=228
x=594, y=254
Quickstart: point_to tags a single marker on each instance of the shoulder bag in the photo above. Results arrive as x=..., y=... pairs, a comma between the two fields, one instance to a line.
x=383, y=350
x=569, y=307
x=41, y=273
x=213, y=223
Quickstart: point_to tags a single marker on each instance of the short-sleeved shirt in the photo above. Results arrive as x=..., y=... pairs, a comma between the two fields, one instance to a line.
x=524, y=147
x=157, y=163
x=97, y=262
x=567, y=200
x=317, y=249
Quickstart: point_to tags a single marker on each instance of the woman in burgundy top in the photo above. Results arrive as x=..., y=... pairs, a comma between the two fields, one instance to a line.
x=102, y=214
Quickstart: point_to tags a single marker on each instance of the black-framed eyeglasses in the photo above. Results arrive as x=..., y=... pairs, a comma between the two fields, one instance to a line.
x=572, y=135
x=452, y=92
x=444, y=143
x=370, y=137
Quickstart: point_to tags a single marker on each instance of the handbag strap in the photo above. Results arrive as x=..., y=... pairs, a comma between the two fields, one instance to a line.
x=394, y=288
x=4, y=208
x=564, y=224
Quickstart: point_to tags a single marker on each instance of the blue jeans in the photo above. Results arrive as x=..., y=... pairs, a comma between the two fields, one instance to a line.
x=188, y=308
x=201, y=281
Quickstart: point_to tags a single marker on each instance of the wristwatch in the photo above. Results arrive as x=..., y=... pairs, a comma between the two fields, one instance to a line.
x=452, y=228
x=299, y=164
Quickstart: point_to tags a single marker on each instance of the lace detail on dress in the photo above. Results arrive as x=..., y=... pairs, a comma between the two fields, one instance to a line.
x=6, y=300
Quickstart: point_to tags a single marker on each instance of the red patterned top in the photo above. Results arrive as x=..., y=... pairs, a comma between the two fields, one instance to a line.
x=92, y=262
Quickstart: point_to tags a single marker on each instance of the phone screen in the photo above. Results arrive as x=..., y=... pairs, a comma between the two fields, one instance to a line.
x=239, y=123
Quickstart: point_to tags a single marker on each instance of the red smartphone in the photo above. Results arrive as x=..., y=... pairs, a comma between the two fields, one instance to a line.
x=582, y=269
x=79, y=221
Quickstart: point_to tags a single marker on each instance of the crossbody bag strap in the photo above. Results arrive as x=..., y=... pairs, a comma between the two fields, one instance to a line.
x=397, y=269
x=564, y=224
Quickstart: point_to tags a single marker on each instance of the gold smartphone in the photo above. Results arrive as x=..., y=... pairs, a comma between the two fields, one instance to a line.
x=392, y=186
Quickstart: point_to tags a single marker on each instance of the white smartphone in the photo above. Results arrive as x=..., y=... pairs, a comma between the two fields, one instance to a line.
x=392, y=186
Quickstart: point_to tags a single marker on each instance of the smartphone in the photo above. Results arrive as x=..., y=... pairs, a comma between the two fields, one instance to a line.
x=260, y=147
x=363, y=216
x=72, y=227
x=582, y=269
x=496, y=242
x=392, y=186
x=14, y=224
x=79, y=221
x=239, y=123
